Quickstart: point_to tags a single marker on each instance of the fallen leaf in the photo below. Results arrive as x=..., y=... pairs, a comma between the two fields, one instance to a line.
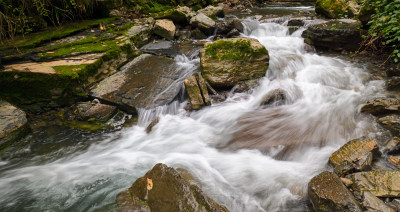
x=149, y=184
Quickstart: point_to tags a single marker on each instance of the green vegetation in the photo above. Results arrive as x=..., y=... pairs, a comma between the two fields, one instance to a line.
x=25, y=16
x=333, y=8
x=229, y=50
x=35, y=39
x=384, y=31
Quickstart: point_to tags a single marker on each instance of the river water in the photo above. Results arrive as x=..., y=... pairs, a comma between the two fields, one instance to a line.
x=322, y=111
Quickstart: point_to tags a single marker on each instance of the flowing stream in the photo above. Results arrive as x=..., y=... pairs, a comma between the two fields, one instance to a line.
x=322, y=110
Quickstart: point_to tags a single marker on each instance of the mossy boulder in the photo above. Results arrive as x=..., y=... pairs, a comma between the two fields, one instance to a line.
x=227, y=62
x=13, y=124
x=326, y=192
x=179, y=15
x=341, y=34
x=333, y=8
x=381, y=183
x=169, y=191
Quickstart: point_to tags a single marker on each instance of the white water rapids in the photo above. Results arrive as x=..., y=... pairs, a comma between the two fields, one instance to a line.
x=325, y=95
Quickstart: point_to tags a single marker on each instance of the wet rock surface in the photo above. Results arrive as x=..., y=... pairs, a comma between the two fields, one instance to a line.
x=327, y=193
x=147, y=81
x=204, y=23
x=373, y=203
x=226, y=72
x=170, y=48
x=196, y=89
x=357, y=153
x=381, y=183
x=169, y=192
x=95, y=110
x=342, y=34
x=391, y=123
x=381, y=106
x=13, y=123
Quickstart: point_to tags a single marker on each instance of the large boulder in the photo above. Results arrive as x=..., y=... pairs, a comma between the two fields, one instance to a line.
x=327, y=193
x=13, y=124
x=381, y=183
x=337, y=8
x=212, y=11
x=204, y=23
x=356, y=154
x=391, y=123
x=169, y=191
x=381, y=106
x=180, y=15
x=227, y=62
x=335, y=34
x=165, y=28
x=147, y=81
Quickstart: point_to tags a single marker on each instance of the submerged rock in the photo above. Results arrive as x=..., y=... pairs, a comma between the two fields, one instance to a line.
x=146, y=82
x=204, y=23
x=391, y=123
x=227, y=62
x=335, y=34
x=395, y=161
x=152, y=124
x=381, y=106
x=169, y=192
x=392, y=146
x=276, y=97
x=327, y=193
x=170, y=48
x=381, y=183
x=165, y=28
x=355, y=154
x=13, y=124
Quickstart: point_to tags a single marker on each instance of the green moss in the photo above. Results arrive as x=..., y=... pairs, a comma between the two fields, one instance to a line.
x=333, y=8
x=70, y=71
x=229, y=50
x=196, y=7
x=35, y=39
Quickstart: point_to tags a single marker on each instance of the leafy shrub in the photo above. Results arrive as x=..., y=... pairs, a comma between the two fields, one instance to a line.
x=385, y=26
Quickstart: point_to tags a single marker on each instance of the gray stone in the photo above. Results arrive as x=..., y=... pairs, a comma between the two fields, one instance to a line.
x=165, y=28
x=392, y=146
x=13, y=124
x=140, y=34
x=146, y=82
x=327, y=193
x=296, y=22
x=212, y=11
x=393, y=83
x=204, y=23
x=374, y=204
x=179, y=15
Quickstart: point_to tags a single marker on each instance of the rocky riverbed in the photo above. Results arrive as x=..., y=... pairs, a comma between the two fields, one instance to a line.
x=251, y=109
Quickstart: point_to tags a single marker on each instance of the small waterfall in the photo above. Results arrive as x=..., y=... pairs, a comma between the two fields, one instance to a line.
x=325, y=95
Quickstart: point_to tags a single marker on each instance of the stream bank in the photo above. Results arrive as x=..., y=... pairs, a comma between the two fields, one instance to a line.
x=313, y=114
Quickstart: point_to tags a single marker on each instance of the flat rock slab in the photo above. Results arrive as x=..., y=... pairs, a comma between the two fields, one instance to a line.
x=47, y=67
x=381, y=106
x=171, y=49
x=381, y=183
x=146, y=82
x=12, y=121
x=327, y=193
x=358, y=152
